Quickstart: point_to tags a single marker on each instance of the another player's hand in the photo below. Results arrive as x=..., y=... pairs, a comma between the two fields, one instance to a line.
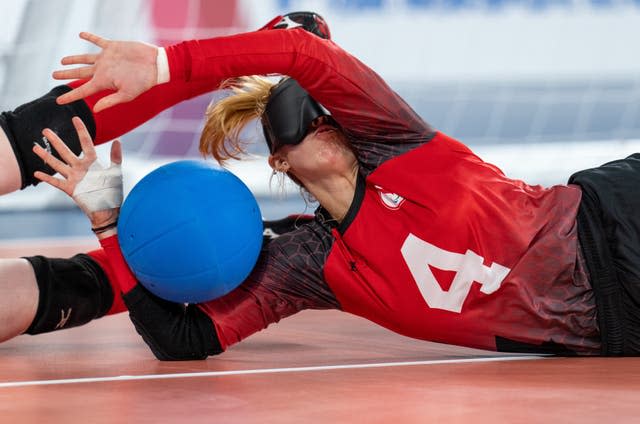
x=96, y=190
x=126, y=67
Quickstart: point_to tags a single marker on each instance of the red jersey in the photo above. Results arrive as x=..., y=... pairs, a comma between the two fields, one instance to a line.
x=437, y=244
x=442, y=246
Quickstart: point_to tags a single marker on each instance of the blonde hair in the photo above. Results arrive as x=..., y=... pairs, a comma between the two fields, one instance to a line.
x=225, y=119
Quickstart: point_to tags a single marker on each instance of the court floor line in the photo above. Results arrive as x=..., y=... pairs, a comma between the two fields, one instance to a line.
x=13, y=384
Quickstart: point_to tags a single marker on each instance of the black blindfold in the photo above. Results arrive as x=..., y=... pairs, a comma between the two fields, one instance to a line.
x=289, y=114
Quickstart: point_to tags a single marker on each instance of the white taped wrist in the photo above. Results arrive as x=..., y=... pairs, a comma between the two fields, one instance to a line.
x=162, y=65
x=100, y=189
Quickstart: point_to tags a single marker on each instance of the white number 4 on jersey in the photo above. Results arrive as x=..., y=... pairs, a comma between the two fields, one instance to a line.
x=469, y=267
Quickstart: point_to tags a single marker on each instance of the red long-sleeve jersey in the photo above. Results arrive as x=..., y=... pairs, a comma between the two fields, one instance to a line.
x=437, y=244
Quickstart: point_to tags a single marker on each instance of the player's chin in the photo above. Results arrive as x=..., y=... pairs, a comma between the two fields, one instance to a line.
x=337, y=139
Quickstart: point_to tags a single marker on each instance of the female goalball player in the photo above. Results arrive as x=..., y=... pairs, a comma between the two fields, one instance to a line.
x=550, y=270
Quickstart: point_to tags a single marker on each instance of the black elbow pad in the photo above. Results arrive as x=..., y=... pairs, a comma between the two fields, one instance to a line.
x=24, y=126
x=173, y=331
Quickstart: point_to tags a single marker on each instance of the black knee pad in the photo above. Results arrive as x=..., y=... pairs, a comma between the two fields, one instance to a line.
x=72, y=292
x=24, y=127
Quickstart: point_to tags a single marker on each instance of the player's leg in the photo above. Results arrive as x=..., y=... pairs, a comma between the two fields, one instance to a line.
x=39, y=294
x=18, y=297
x=608, y=226
x=10, y=178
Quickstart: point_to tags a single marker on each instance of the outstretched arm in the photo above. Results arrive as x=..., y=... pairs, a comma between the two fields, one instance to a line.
x=357, y=97
x=128, y=83
x=21, y=127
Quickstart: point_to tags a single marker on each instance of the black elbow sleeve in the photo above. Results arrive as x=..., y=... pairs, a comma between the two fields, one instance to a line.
x=24, y=126
x=173, y=331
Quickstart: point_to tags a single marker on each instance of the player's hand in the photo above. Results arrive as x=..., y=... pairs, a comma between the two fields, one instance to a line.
x=96, y=190
x=126, y=67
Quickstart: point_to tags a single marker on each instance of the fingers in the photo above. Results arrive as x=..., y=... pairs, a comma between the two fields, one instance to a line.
x=95, y=39
x=85, y=140
x=81, y=92
x=74, y=168
x=79, y=59
x=84, y=72
x=55, y=182
x=116, y=152
x=55, y=163
x=110, y=100
x=63, y=150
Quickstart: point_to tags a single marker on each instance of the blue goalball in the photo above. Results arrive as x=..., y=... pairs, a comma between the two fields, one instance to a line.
x=190, y=231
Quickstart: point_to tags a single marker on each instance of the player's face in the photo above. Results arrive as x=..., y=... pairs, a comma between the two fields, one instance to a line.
x=324, y=150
